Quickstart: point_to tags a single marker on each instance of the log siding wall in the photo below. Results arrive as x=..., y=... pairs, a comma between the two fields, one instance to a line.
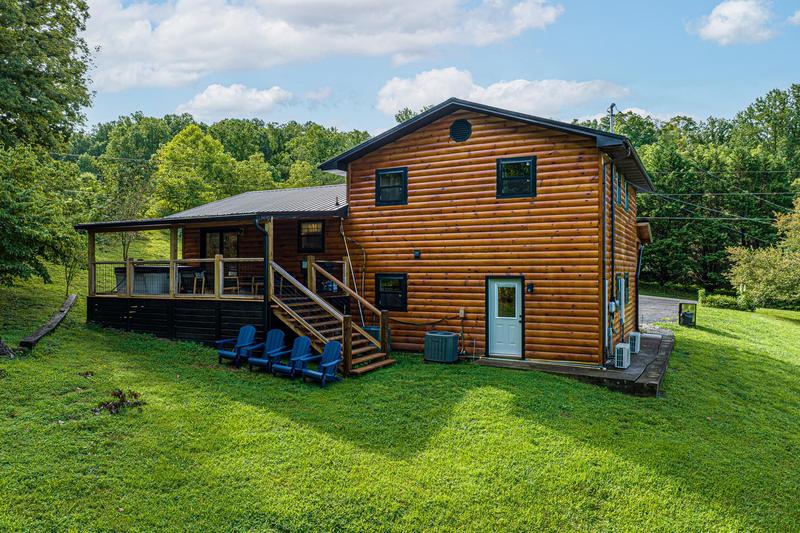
x=285, y=248
x=465, y=233
x=625, y=252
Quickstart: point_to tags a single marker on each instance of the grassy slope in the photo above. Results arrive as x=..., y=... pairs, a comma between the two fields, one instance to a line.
x=409, y=447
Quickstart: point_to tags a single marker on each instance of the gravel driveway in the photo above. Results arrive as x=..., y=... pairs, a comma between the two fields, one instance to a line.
x=657, y=309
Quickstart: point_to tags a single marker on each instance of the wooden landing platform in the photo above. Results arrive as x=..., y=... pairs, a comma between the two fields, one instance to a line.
x=643, y=377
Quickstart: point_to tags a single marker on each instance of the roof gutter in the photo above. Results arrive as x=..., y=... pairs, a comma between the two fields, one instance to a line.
x=165, y=222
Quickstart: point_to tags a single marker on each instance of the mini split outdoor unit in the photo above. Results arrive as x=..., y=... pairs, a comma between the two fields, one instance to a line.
x=622, y=355
x=635, y=341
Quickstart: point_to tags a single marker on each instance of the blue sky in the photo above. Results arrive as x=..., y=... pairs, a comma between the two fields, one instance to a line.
x=350, y=64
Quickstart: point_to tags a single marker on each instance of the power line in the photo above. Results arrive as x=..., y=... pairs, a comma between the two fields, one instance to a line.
x=743, y=193
x=712, y=210
x=726, y=172
x=706, y=218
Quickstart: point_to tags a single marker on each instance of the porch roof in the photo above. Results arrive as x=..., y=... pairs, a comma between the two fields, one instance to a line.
x=303, y=202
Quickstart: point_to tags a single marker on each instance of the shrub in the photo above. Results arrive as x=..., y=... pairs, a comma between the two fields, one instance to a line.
x=723, y=301
x=766, y=277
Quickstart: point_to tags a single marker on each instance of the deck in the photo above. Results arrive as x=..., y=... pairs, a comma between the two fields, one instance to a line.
x=644, y=376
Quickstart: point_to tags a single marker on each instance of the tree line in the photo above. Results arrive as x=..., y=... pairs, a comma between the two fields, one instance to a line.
x=724, y=210
x=54, y=175
x=720, y=184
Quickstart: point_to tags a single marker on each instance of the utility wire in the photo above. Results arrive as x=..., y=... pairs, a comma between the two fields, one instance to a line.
x=715, y=176
x=706, y=218
x=712, y=210
x=727, y=172
x=743, y=193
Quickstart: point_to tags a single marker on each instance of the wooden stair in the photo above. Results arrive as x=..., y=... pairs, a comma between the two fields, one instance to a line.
x=306, y=314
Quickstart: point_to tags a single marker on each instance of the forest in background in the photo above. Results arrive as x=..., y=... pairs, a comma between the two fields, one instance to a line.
x=725, y=187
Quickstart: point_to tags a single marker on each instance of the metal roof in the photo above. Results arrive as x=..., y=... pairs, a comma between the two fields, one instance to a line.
x=303, y=202
x=618, y=147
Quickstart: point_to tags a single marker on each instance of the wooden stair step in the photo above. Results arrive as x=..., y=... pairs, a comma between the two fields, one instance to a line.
x=308, y=318
x=364, y=349
x=368, y=358
x=326, y=323
x=374, y=366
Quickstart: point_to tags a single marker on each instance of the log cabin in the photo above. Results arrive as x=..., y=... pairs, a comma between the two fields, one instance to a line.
x=517, y=233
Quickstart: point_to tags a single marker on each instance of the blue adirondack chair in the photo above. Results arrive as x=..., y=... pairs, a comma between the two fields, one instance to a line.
x=236, y=349
x=300, y=349
x=273, y=345
x=329, y=361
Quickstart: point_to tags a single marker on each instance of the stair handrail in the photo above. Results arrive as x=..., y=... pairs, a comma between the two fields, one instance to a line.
x=359, y=299
x=302, y=288
x=348, y=290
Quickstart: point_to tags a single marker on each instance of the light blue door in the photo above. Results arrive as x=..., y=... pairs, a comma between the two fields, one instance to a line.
x=505, y=317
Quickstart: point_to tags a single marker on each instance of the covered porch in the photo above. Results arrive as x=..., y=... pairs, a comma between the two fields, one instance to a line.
x=267, y=258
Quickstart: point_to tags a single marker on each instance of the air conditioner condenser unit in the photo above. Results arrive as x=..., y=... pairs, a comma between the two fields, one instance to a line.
x=635, y=341
x=622, y=355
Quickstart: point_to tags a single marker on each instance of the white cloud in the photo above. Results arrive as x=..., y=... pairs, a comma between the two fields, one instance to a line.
x=172, y=43
x=319, y=95
x=538, y=97
x=737, y=21
x=234, y=101
x=795, y=19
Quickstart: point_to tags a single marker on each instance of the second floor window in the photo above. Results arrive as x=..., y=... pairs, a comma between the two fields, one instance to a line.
x=516, y=177
x=391, y=186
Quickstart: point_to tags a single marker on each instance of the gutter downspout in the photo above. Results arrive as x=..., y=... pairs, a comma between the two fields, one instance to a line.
x=613, y=282
x=267, y=279
x=604, y=282
x=638, y=271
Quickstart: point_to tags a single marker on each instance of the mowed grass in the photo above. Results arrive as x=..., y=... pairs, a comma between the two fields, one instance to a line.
x=410, y=447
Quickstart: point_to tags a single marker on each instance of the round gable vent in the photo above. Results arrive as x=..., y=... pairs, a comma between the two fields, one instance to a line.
x=460, y=130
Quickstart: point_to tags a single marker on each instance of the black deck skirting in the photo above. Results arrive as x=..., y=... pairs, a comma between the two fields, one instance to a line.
x=193, y=320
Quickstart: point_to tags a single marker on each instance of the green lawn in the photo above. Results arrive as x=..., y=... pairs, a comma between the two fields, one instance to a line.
x=410, y=447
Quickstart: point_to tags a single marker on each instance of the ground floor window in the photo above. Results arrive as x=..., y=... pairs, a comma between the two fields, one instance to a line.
x=311, y=236
x=216, y=241
x=391, y=291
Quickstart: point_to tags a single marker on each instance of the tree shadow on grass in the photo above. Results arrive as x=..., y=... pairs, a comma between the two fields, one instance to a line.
x=725, y=415
x=714, y=331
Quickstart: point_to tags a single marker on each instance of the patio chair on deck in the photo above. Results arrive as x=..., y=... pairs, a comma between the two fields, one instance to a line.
x=273, y=346
x=300, y=349
x=239, y=346
x=329, y=361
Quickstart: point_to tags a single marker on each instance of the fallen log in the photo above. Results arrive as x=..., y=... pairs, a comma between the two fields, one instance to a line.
x=6, y=351
x=31, y=341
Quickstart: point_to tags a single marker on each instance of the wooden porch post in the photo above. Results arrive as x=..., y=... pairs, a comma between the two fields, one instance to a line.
x=384, y=332
x=347, y=344
x=129, y=277
x=312, y=274
x=218, y=281
x=346, y=270
x=173, y=255
x=270, y=289
x=91, y=265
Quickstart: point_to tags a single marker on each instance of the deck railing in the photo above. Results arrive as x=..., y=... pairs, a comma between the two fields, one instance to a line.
x=203, y=278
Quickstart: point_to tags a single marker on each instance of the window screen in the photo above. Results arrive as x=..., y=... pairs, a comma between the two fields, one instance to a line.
x=391, y=291
x=391, y=186
x=311, y=236
x=516, y=177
